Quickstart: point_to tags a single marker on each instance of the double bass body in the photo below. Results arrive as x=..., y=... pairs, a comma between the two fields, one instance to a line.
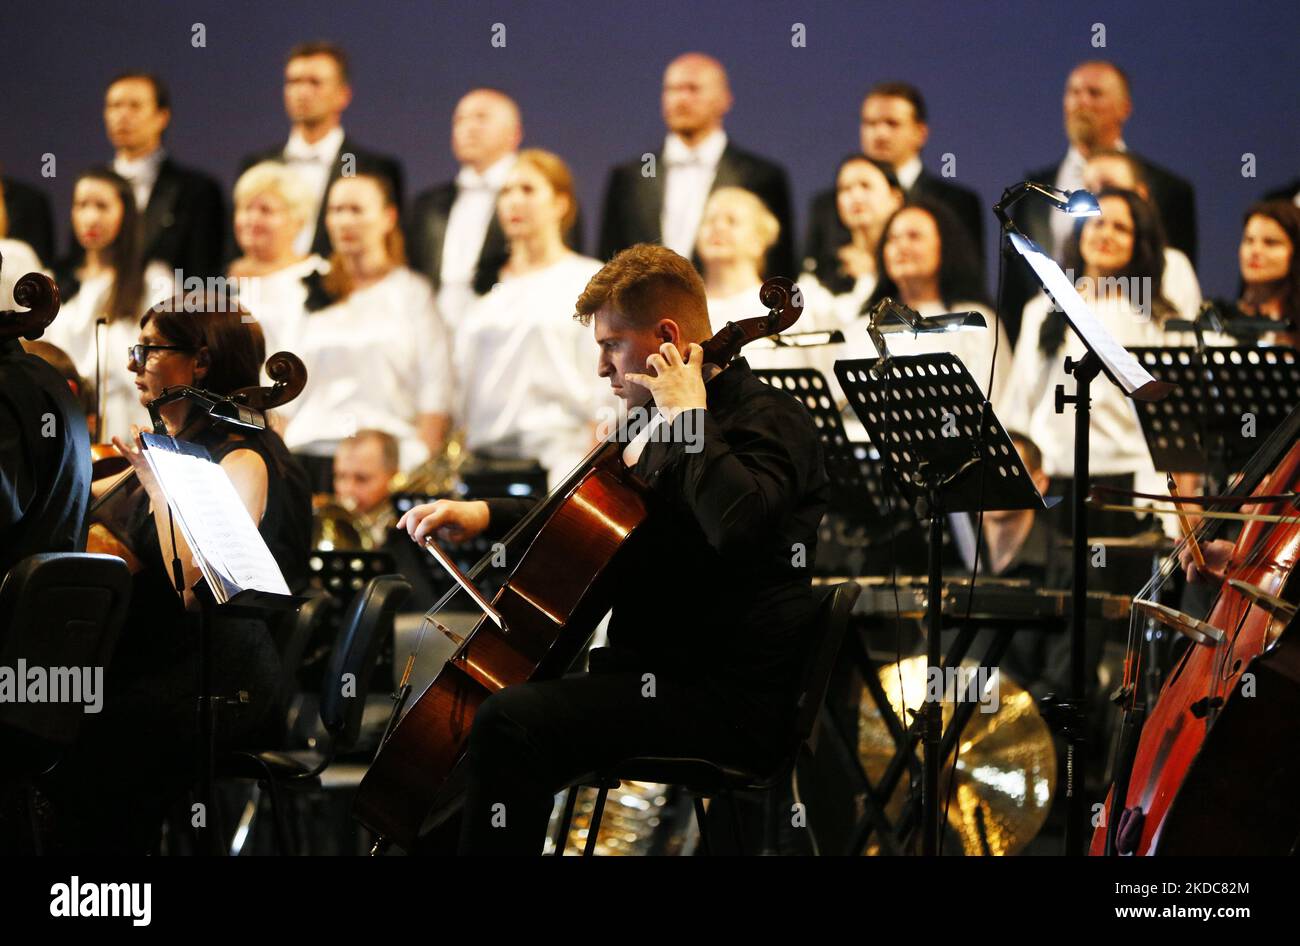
x=1216, y=771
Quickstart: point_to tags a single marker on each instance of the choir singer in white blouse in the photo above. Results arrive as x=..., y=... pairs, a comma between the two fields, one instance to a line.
x=379, y=355
x=527, y=386
x=272, y=205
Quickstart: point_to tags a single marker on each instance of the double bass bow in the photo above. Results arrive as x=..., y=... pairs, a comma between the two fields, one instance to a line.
x=1212, y=768
x=565, y=553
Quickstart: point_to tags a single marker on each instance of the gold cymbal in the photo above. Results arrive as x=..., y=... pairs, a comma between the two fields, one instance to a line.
x=1005, y=769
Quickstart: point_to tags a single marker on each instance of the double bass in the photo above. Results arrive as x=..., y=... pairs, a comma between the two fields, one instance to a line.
x=566, y=552
x=1214, y=767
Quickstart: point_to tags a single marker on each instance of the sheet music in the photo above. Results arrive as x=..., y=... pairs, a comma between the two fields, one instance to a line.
x=1119, y=363
x=228, y=549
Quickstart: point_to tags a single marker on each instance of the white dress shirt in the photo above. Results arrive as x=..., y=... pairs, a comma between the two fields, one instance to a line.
x=526, y=370
x=313, y=164
x=73, y=330
x=688, y=181
x=141, y=174
x=378, y=359
x=470, y=217
x=908, y=172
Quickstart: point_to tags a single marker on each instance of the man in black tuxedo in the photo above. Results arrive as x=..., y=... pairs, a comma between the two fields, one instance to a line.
x=661, y=199
x=1097, y=103
x=453, y=235
x=27, y=209
x=894, y=128
x=182, y=214
x=1289, y=192
x=317, y=90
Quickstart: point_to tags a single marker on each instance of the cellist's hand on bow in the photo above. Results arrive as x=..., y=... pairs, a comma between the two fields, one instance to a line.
x=446, y=520
x=1216, y=555
x=677, y=385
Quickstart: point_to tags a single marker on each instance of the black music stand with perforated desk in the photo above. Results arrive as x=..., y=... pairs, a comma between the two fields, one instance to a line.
x=946, y=452
x=1228, y=402
x=858, y=482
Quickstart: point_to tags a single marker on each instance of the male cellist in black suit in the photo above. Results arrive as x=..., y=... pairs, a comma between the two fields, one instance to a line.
x=706, y=639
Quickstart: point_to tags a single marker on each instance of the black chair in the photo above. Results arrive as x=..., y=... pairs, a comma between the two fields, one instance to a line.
x=342, y=703
x=292, y=639
x=60, y=609
x=704, y=779
x=57, y=609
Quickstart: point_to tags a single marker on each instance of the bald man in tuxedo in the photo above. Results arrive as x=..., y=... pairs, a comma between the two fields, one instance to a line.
x=664, y=203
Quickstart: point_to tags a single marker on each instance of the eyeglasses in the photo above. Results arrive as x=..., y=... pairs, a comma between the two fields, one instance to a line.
x=138, y=354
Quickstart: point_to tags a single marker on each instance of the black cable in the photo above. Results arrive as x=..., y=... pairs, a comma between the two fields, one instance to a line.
x=979, y=522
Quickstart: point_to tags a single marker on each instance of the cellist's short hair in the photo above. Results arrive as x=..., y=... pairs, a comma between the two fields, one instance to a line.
x=646, y=283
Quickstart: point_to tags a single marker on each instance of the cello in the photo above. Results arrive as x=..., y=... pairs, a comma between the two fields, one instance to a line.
x=539, y=621
x=1214, y=769
x=39, y=296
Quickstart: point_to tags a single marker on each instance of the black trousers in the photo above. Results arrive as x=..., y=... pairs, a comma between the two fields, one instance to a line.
x=531, y=740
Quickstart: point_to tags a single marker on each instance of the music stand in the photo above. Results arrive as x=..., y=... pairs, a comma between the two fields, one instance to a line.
x=238, y=574
x=1103, y=354
x=858, y=481
x=941, y=441
x=1200, y=429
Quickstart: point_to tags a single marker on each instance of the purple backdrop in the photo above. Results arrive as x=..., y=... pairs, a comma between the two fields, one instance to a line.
x=1212, y=81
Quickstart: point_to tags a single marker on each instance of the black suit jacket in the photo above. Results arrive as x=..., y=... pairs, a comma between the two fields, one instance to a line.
x=185, y=221
x=30, y=217
x=962, y=201
x=44, y=480
x=426, y=231
x=370, y=162
x=633, y=204
x=1283, y=193
x=1174, y=199
x=826, y=233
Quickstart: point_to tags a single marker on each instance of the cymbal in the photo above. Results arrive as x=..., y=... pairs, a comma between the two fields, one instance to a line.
x=1005, y=767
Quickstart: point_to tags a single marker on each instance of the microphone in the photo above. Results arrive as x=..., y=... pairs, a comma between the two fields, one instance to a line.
x=220, y=408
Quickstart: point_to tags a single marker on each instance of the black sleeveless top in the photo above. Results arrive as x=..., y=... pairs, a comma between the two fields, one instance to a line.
x=154, y=670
